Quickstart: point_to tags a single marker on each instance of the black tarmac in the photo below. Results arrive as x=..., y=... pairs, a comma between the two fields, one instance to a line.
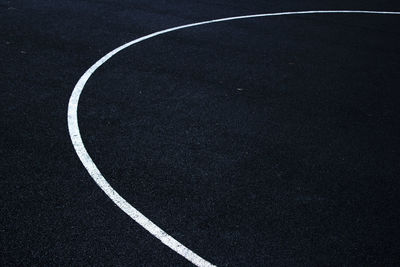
x=260, y=142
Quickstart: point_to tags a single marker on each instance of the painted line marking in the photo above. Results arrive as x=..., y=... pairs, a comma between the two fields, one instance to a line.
x=91, y=167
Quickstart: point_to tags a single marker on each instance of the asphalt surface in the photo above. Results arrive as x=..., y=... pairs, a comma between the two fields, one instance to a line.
x=265, y=141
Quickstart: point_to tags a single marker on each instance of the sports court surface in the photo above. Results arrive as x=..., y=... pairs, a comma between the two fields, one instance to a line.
x=227, y=133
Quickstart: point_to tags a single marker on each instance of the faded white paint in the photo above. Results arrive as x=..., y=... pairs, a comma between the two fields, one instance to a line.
x=91, y=166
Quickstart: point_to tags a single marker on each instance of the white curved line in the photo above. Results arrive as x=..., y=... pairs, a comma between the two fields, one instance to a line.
x=94, y=171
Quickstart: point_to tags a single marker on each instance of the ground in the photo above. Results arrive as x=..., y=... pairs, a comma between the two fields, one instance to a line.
x=265, y=141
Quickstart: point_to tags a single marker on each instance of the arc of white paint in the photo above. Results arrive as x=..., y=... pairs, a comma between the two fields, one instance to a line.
x=91, y=166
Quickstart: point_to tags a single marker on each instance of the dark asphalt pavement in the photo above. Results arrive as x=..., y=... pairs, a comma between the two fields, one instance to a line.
x=260, y=142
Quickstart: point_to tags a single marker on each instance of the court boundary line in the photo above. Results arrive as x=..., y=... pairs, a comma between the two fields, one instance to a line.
x=74, y=131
